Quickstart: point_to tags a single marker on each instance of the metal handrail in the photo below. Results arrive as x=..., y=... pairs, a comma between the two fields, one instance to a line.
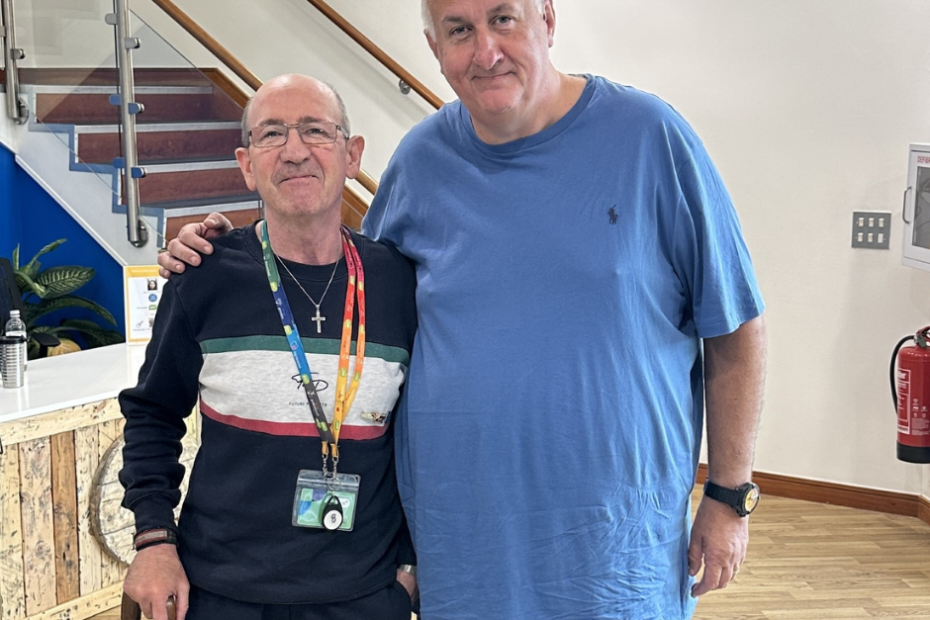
x=138, y=233
x=16, y=107
x=406, y=78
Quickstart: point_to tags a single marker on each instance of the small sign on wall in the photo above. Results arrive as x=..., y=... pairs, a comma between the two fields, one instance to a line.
x=143, y=289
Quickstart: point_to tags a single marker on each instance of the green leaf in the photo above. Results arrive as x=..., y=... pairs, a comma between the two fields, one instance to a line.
x=32, y=349
x=23, y=283
x=33, y=267
x=63, y=280
x=103, y=337
x=54, y=287
x=67, y=301
x=27, y=286
x=29, y=312
x=80, y=324
x=48, y=329
x=95, y=335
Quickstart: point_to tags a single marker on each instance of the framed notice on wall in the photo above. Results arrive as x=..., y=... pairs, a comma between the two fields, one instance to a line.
x=143, y=289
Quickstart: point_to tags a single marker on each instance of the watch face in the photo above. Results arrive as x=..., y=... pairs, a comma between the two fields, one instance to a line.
x=751, y=499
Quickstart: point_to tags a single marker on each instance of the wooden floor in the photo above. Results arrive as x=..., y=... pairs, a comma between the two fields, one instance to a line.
x=810, y=561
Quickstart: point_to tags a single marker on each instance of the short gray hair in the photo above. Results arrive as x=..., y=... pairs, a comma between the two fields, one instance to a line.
x=430, y=27
x=343, y=112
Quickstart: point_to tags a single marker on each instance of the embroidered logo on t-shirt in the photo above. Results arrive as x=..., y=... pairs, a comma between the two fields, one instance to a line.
x=612, y=214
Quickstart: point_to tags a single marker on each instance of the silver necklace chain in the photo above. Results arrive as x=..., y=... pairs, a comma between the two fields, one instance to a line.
x=302, y=290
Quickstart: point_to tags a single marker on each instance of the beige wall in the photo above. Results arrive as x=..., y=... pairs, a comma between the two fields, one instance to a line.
x=807, y=106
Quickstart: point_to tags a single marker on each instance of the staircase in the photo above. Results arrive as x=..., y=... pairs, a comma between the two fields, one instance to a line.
x=186, y=135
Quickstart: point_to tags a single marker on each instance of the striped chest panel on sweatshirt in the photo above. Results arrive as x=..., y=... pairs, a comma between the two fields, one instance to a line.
x=252, y=383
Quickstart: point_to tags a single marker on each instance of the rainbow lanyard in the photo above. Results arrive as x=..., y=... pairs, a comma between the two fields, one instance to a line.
x=344, y=397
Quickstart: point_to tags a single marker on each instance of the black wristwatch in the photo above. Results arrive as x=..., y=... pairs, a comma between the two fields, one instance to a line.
x=743, y=499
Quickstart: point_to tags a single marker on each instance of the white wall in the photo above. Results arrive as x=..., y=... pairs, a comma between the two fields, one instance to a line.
x=807, y=107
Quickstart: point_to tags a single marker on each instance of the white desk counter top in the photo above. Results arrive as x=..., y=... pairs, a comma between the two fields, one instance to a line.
x=73, y=379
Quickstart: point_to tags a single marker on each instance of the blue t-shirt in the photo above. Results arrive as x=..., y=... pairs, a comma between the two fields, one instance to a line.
x=551, y=423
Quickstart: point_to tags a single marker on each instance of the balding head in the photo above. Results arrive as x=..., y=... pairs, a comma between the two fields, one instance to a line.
x=297, y=174
x=291, y=81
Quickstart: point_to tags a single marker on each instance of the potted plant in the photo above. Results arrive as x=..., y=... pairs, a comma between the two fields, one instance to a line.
x=47, y=291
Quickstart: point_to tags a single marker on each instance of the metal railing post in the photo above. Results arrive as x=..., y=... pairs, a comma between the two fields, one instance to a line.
x=138, y=233
x=16, y=107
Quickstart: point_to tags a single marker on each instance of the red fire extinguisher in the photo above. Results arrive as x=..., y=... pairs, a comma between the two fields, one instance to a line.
x=910, y=390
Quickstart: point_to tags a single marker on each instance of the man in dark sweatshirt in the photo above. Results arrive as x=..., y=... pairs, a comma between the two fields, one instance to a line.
x=294, y=338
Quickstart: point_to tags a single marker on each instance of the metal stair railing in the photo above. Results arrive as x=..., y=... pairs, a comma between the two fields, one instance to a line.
x=129, y=108
x=16, y=107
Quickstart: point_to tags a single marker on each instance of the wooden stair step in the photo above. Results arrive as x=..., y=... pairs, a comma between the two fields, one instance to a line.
x=159, y=186
x=155, y=143
x=78, y=108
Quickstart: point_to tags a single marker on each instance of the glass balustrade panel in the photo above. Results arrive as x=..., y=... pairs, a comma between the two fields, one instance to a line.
x=67, y=76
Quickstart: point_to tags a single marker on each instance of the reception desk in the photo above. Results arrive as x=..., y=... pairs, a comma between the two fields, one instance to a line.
x=55, y=432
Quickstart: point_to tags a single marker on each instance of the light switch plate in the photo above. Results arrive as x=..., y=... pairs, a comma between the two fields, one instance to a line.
x=871, y=229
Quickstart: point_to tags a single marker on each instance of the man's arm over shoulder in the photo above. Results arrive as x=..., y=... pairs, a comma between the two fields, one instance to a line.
x=192, y=240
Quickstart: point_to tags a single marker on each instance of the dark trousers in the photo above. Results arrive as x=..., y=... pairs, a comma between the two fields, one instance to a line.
x=390, y=603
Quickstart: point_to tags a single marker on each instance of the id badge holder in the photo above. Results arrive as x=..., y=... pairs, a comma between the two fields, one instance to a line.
x=325, y=502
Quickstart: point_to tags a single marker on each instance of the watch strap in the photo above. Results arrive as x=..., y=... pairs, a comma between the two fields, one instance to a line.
x=735, y=498
x=150, y=538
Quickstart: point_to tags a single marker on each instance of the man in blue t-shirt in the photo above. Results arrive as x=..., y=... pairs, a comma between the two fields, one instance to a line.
x=583, y=291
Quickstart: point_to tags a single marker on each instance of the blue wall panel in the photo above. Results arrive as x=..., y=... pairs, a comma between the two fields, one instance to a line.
x=9, y=217
x=30, y=217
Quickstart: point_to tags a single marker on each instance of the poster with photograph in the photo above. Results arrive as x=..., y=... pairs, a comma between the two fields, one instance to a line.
x=143, y=288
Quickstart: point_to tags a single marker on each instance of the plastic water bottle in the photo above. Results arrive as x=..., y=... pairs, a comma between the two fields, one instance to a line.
x=15, y=328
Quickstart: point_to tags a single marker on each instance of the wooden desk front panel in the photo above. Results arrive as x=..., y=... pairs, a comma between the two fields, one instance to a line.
x=51, y=566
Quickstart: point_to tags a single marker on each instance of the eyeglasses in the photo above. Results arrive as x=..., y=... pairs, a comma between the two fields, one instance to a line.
x=314, y=132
